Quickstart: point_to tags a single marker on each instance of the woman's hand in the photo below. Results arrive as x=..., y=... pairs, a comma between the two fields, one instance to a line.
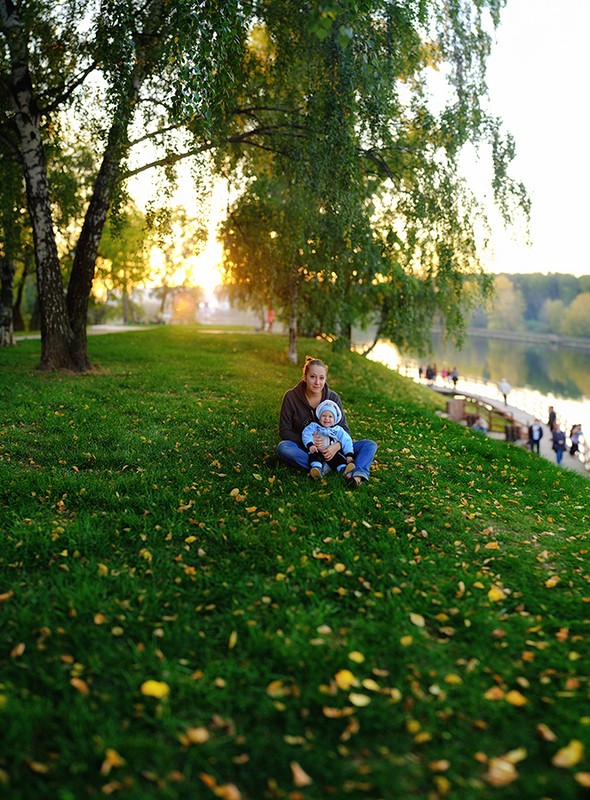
x=331, y=450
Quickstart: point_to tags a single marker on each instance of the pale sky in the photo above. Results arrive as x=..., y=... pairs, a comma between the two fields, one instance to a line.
x=538, y=77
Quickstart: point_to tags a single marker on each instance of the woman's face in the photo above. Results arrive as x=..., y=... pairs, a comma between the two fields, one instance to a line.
x=315, y=378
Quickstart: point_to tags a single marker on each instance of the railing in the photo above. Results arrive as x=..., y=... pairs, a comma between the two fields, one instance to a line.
x=524, y=400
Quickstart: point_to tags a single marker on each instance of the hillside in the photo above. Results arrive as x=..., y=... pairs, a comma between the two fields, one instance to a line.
x=184, y=617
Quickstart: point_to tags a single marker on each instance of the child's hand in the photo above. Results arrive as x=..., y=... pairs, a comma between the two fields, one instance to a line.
x=348, y=459
x=313, y=449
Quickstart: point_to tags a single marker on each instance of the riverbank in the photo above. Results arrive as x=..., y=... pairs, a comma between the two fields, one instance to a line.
x=522, y=421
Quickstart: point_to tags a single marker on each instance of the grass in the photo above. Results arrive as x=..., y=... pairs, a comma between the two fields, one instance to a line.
x=183, y=617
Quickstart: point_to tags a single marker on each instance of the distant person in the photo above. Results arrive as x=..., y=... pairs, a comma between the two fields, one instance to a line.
x=454, y=376
x=420, y=371
x=270, y=318
x=480, y=425
x=575, y=434
x=558, y=443
x=552, y=421
x=535, y=436
x=504, y=388
x=323, y=433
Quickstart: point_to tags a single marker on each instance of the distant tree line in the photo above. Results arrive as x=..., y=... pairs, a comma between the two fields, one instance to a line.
x=554, y=304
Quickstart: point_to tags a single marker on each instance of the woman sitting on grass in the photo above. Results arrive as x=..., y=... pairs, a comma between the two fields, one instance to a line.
x=298, y=410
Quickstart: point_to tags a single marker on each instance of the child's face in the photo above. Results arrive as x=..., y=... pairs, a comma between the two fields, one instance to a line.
x=326, y=419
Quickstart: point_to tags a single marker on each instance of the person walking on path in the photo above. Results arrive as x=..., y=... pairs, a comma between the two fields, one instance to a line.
x=552, y=421
x=535, y=436
x=504, y=388
x=575, y=434
x=558, y=443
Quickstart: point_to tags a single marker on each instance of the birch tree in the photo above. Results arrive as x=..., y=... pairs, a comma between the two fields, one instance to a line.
x=395, y=227
x=156, y=64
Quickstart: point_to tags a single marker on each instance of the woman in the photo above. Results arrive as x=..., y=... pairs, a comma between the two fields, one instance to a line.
x=298, y=410
x=558, y=442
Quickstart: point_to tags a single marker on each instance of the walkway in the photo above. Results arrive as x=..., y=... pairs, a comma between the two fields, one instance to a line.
x=523, y=419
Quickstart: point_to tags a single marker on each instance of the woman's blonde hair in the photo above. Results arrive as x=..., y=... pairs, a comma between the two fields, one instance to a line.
x=310, y=362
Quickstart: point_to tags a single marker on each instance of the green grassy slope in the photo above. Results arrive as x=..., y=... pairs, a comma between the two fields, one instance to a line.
x=183, y=617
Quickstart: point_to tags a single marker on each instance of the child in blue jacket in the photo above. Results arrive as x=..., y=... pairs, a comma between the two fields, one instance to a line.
x=317, y=435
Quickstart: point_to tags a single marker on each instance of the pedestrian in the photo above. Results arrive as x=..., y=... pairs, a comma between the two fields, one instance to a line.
x=575, y=434
x=480, y=425
x=504, y=388
x=552, y=421
x=535, y=436
x=298, y=410
x=558, y=443
x=270, y=318
x=454, y=376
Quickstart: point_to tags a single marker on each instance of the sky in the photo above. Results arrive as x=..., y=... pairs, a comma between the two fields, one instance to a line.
x=538, y=79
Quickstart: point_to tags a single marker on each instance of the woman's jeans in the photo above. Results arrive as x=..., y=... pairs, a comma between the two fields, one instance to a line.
x=559, y=454
x=364, y=451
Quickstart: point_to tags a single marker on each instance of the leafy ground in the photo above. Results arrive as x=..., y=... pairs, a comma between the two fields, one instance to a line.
x=183, y=617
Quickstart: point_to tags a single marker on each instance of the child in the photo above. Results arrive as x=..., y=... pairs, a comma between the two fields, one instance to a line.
x=328, y=430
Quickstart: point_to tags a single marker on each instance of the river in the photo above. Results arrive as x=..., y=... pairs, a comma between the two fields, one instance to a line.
x=540, y=375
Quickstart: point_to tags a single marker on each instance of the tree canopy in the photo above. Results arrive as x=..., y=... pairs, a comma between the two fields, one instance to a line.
x=116, y=74
x=331, y=118
x=351, y=146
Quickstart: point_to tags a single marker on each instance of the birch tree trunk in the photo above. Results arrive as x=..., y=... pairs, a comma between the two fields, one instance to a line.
x=64, y=319
x=6, y=318
x=56, y=334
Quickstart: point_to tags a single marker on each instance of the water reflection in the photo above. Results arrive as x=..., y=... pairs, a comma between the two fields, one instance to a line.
x=562, y=372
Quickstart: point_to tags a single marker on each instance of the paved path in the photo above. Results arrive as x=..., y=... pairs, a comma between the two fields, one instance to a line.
x=524, y=419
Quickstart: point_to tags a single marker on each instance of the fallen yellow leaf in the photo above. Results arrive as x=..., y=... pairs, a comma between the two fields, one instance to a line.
x=196, y=735
x=300, y=776
x=546, y=733
x=496, y=594
x=500, y=772
x=515, y=698
x=80, y=685
x=112, y=759
x=570, y=755
x=357, y=657
x=359, y=700
x=344, y=679
x=417, y=619
x=157, y=689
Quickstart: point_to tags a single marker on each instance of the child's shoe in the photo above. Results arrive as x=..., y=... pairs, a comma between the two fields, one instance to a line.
x=349, y=468
x=315, y=473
